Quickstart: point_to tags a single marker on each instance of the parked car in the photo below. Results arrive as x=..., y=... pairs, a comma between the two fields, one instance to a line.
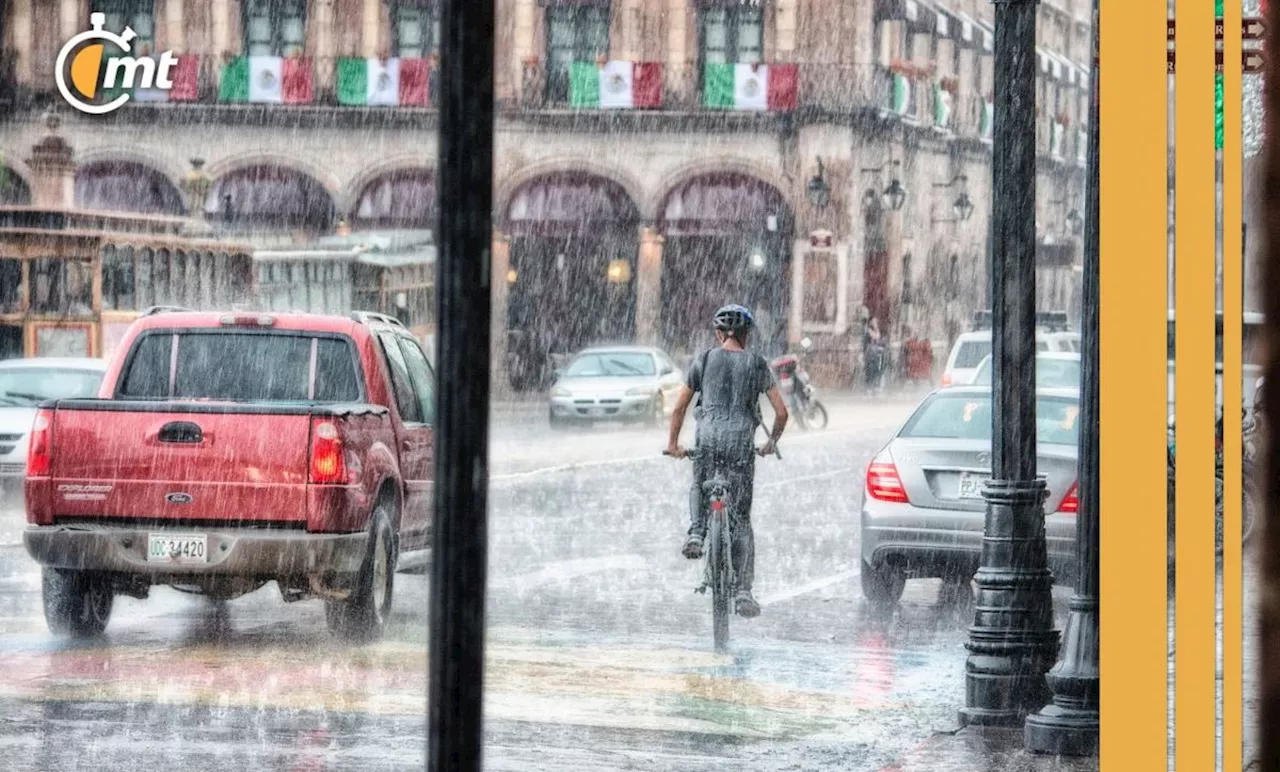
x=25, y=383
x=225, y=451
x=1054, y=370
x=971, y=348
x=615, y=383
x=923, y=513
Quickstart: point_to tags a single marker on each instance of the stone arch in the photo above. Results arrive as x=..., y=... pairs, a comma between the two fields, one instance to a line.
x=173, y=171
x=349, y=196
x=224, y=166
x=126, y=185
x=269, y=198
x=400, y=197
x=716, y=165
x=18, y=168
x=508, y=187
x=15, y=183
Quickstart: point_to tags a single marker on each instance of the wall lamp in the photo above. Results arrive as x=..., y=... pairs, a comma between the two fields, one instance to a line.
x=894, y=196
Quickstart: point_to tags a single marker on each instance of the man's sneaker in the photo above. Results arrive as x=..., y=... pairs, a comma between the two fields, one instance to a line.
x=746, y=605
x=693, y=546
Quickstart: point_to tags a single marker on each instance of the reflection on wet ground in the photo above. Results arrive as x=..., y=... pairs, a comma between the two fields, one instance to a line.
x=599, y=651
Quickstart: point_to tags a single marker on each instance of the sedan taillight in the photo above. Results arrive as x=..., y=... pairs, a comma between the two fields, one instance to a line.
x=1071, y=502
x=884, y=484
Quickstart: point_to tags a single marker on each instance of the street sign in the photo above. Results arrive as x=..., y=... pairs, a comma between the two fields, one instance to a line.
x=1254, y=61
x=1255, y=28
x=1170, y=62
x=1171, y=28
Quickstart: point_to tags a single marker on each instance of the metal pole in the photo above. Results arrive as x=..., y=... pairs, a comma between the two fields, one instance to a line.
x=1269, y=659
x=455, y=677
x=1069, y=725
x=1012, y=642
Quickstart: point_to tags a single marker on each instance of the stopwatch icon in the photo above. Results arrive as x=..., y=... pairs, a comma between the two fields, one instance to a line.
x=122, y=41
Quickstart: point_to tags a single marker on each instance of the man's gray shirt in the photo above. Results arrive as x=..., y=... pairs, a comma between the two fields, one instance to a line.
x=729, y=384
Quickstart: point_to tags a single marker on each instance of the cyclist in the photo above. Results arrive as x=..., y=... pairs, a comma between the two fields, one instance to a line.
x=728, y=380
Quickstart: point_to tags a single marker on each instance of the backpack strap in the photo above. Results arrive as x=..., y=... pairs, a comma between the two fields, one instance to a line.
x=702, y=368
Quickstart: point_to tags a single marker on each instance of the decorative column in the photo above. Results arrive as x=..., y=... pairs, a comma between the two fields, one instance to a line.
x=500, y=281
x=220, y=13
x=53, y=172
x=648, y=287
x=71, y=21
x=175, y=32
x=196, y=187
x=1069, y=725
x=678, y=78
x=21, y=39
x=369, y=23
x=1012, y=642
x=785, y=12
x=325, y=62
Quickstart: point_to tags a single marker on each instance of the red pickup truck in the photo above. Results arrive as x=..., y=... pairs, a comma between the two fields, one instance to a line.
x=228, y=450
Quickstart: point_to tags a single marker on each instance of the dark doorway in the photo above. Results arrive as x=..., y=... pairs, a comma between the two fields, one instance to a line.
x=728, y=240
x=574, y=242
x=10, y=342
x=875, y=272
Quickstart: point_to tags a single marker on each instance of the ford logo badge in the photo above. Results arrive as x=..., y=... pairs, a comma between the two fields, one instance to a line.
x=179, y=498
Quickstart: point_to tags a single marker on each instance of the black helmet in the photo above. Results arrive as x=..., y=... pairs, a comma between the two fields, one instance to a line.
x=733, y=318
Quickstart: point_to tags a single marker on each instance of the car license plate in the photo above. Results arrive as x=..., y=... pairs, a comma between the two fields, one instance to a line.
x=177, y=548
x=971, y=486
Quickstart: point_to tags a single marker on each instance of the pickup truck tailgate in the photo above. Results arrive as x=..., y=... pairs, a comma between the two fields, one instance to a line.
x=211, y=463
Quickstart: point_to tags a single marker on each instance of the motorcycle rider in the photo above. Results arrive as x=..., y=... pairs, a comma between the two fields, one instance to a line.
x=728, y=380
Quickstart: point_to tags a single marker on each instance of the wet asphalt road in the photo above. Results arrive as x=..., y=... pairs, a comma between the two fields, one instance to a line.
x=599, y=653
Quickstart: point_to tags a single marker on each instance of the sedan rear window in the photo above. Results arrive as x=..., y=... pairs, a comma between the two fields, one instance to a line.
x=242, y=367
x=968, y=417
x=971, y=352
x=1050, y=373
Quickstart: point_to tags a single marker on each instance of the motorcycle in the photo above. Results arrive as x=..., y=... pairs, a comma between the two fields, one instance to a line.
x=799, y=392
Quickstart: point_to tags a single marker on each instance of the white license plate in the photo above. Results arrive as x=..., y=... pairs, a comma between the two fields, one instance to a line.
x=178, y=548
x=971, y=486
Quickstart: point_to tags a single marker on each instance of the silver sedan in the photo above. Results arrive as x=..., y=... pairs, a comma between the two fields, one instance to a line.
x=615, y=383
x=923, y=513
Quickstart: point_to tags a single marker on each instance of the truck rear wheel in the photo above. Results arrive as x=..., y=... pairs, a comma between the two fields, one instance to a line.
x=363, y=616
x=77, y=604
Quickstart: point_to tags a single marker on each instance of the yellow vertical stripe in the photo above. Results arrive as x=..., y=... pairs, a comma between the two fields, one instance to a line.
x=1195, y=276
x=1232, y=313
x=1134, y=217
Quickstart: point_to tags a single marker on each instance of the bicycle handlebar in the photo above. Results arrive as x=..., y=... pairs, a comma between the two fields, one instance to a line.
x=693, y=453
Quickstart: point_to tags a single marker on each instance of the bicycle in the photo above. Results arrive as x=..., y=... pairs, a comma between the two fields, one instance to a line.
x=718, y=571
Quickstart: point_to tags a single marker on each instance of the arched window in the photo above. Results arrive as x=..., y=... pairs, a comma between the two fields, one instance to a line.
x=126, y=186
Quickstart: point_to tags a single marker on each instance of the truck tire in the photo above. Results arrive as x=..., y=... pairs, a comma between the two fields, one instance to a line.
x=362, y=617
x=77, y=604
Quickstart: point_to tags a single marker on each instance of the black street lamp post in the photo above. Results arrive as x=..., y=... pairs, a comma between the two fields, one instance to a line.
x=1012, y=642
x=1069, y=725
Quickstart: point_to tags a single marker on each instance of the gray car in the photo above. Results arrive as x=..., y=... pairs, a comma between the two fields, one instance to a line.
x=25, y=383
x=922, y=510
x=615, y=383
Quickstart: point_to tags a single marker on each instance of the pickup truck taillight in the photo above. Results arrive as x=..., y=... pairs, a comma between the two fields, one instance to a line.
x=328, y=458
x=40, y=451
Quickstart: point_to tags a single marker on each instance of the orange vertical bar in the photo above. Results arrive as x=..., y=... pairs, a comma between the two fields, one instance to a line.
x=1133, y=265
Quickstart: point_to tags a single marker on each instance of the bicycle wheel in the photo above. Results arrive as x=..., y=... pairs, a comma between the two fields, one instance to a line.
x=718, y=560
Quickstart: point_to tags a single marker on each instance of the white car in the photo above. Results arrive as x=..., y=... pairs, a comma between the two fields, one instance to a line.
x=615, y=383
x=1054, y=370
x=972, y=347
x=24, y=384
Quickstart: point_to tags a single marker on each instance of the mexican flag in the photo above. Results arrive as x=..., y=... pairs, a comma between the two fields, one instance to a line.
x=184, y=78
x=986, y=122
x=615, y=85
x=373, y=81
x=266, y=79
x=1056, y=132
x=900, y=95
x=750, y=86
x=941, y=107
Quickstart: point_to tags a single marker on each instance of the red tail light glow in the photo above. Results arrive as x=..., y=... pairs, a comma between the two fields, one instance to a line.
x=328, y=458
x=717, y=505
x=884, y=484
x=1071, y=502
x=40, y=451
x=946, y=379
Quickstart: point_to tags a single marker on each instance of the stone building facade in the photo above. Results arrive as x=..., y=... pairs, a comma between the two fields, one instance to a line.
x=641, y=218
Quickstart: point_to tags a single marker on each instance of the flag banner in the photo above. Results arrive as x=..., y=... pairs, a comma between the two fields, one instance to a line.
x=296, y=83
x=757, y=87
x=986, y=123
x=265, y=74
x=233, y=81
x=615, y=85
x=186, y=79
x=942, y=101
x=900, y=94
x=382, y=82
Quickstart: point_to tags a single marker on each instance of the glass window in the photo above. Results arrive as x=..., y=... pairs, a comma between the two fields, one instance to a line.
x=620, y=364
x=423, y=379
x=246, y=367
x=731, y=35
x=10, y=285
x=417, y=28
x=139, y=15
x=968, y=417
x=29, y=386
x=275, y=27
x=117, y=279
x=575, y=33
x=61, y=286
x=972, y=352
x=401, y=382
x=147, y=376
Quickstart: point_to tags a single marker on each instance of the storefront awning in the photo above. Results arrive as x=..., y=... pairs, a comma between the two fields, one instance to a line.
x=987, y=34
x=920, y=15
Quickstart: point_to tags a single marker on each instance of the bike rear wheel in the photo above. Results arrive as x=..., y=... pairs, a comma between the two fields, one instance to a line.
x=817, y=417
x=721, y=592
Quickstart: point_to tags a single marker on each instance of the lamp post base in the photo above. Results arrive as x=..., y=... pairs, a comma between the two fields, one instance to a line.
x=1062, y=732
